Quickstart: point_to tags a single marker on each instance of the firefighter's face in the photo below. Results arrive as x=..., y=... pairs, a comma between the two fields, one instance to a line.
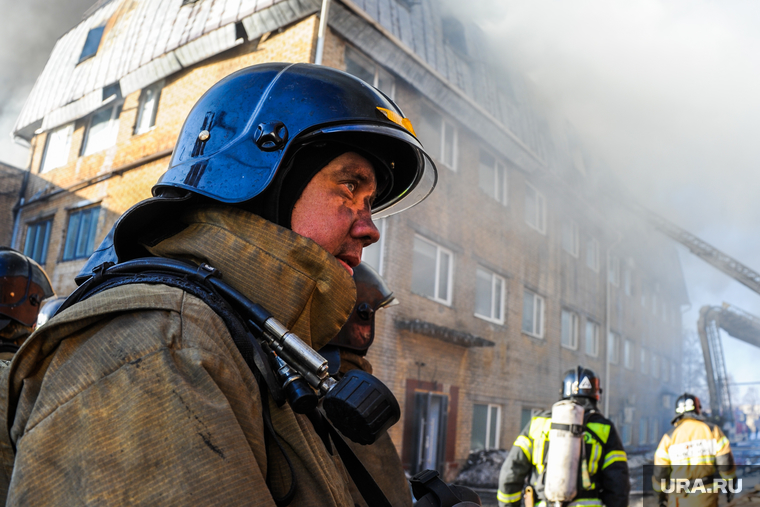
x=334, y=209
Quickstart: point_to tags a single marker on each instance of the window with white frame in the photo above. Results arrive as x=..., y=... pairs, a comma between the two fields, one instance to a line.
x=592, y=254
x=80, y=233
x=373, y=254
x=643, y=423
x=439, y=137
x=613, y=270
x=493, y=177
x=655, y=366
x=102, y=129
x=613, y=348
x=643, y=361
x=535, y=208
x=626, y=435
x=570, y=238
x=628, y=354
x=592, y=338
x=57, y=147
x=654, y=430
x=432, y=270
x=368, y=71
x=569, y=325
x=486, y=421
x=627, y=274
x=37, y=240
x=533, y=314
x=489, y=296
x=148, y=107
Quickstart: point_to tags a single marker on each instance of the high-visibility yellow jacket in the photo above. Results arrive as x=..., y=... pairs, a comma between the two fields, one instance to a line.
x=693, y=449
x=605, y=456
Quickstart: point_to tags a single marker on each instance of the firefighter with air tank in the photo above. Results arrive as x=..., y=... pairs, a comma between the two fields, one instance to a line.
x=571, y=454
x=696, y=451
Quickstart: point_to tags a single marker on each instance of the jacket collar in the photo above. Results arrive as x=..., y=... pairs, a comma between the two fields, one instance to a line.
x=296, y=280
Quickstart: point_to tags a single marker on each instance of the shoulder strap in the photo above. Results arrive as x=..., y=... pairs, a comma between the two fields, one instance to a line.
x=198, y=282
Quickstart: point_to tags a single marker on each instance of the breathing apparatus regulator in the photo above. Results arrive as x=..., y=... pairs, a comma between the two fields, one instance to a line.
x=360, y=406
x=566, y=449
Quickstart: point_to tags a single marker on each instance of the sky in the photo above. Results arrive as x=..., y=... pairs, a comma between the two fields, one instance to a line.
x=664, y=92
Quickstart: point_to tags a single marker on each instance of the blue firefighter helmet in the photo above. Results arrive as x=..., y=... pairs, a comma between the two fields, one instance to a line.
x=239, y=143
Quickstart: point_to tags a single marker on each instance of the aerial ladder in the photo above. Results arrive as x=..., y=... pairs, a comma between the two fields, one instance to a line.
x=735, y=322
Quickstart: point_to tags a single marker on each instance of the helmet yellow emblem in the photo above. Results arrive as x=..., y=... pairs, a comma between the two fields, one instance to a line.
x=398, y=119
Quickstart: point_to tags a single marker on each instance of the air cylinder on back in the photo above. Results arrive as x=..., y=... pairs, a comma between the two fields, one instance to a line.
x=565, y=439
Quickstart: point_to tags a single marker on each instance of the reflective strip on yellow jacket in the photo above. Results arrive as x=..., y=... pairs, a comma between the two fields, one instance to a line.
x=505, y=498
x=539, y=434
x=526, y=445
x=612, y=457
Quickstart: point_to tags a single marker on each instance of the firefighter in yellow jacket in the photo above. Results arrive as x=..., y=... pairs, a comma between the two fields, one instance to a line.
x=606, y=481
x=697, y=451
x=143, y=394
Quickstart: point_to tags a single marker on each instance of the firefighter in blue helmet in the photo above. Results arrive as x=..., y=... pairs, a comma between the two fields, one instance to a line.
x=602, y=475
x=153, y=392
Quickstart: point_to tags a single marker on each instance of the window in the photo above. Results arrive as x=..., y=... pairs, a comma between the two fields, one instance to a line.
x=613, y=270
x=592, y=338
x=432, y=271
x=373, y=254
x=535, y=209
x=628, y=354
x=368, y=71
x=654, y=430
x=92, y=43
x=80, y=234
x=665, y=370
x=486, y=421
x=644, y=364
x=592, y=254
x=642, y=431
x=626, y=435
x=627, y=281
x=655, y=367
x=439, y=137
x=102, y=130
x=57, y=147
x=533, y=314
x=453, y=34
x=570, y=323
x=148, y=107
x=570, y=237
x=613, y=348
x=489, y=296
x=493, y=177
x=37, y=240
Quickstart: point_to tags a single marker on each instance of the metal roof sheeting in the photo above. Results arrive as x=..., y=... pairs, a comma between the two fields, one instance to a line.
x=144, y=41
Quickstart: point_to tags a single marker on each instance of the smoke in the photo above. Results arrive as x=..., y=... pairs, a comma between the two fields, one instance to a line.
x=28, y=32
x=665, y=94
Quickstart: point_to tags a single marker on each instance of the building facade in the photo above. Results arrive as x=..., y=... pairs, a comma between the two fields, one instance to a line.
x=522, y=264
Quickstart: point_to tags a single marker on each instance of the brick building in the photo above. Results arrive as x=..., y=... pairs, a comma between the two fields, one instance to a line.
x=522, y=264
x=11, y=189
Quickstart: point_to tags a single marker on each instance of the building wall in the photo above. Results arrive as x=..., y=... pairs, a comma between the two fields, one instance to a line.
x=519, y=372
x=11, y=182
